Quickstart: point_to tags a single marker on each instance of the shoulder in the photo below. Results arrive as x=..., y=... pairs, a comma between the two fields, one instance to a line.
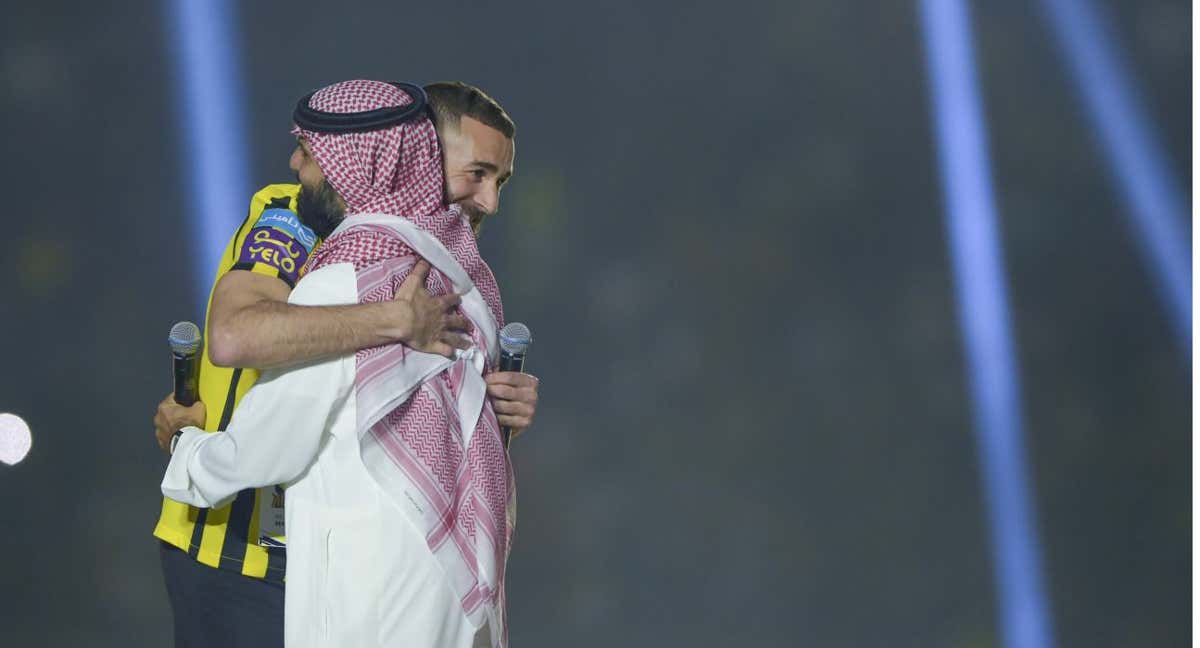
x=274, y=207
x=275, y=194
x=275, y=240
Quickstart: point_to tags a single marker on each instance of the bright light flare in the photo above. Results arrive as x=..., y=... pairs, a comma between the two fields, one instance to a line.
x=15, y=439
x=983, y=312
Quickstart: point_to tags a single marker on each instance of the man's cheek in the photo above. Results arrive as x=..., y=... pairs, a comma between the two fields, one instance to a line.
x=456, y=192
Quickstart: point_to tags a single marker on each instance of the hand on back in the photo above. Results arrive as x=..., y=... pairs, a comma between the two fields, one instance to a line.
x=435, y=326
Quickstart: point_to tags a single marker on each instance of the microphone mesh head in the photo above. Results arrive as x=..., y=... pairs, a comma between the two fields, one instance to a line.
x=184, y=338
x=515, y=338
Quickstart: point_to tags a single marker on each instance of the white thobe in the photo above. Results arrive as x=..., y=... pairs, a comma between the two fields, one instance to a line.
x=358, y=572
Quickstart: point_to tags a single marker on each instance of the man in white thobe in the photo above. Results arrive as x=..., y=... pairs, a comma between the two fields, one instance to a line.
x=399, y=489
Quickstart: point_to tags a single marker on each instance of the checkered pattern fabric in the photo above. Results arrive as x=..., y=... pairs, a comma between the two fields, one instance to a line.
x=468, y=482
x=395, y=171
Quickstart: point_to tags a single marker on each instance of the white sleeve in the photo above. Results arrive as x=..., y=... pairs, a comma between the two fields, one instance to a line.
x=277, y=428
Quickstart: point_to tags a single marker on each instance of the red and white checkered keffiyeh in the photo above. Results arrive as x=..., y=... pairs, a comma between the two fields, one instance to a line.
x=462, y=475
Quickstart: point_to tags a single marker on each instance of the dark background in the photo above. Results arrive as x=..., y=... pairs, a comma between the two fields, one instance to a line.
x=726, y=231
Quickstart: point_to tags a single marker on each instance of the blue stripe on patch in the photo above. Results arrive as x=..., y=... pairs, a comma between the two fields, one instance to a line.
x=287, y=222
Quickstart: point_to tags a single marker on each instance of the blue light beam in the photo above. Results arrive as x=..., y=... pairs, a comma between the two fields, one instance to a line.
x=984, y=317
x=1135, y=158
x=207, y=63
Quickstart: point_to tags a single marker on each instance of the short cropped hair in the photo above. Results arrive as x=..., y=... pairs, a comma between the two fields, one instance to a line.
x=453, y=100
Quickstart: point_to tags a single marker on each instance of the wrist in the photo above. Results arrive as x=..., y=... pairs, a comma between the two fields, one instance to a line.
x=175, y=439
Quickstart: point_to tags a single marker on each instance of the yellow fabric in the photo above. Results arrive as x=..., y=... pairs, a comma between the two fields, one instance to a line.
x=221, y=389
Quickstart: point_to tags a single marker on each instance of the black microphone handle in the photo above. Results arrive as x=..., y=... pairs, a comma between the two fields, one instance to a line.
x=186, y=369
x=510, y=362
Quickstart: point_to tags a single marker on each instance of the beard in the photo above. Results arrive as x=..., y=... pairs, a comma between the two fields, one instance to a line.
x=319, y=209
x=474, y=218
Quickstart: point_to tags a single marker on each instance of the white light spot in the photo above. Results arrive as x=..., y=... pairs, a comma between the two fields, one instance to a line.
x=15, y=439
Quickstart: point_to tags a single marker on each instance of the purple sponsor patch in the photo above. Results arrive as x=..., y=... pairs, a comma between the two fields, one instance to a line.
x=274, y=248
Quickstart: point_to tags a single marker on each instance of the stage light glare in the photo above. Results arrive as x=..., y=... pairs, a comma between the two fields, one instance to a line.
x=210, y=98
x=980, y=289
x=15, y=439
x=1155, y=205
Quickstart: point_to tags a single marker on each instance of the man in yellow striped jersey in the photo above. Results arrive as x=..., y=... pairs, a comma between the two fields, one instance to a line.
x=224, y=566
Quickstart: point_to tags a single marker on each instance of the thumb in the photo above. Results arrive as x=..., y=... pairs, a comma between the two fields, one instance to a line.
x=415, y=280
x=420, y=271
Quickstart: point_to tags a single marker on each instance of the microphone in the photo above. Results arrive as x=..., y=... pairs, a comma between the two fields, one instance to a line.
x=515, y=339
x=184, y=339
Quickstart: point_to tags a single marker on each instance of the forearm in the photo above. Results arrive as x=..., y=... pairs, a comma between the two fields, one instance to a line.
x=273, y=436
x=205, y=470
x=269, y=334
x=208, y=469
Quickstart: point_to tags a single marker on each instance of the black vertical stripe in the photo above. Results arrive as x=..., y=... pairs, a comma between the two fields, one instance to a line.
x=237, y=529
x=230, y=399
x=276, y=563
x=202, y=516
x=197, y=533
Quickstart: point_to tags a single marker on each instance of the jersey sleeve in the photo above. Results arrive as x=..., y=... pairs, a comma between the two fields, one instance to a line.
x=277, y=245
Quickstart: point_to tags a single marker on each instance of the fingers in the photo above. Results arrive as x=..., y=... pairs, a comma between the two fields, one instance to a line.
x=456, y=322
x=449, y=301
x=514, y=399
x=171, y=416
x=513, y=378
x=520, y=409
x=198, y=415
x=456, y=340
x=162, y=433
x=509, y=393
x=442, y=349
x=420, y=271
x=449, y=343
x=517, y=423
x=415, y=281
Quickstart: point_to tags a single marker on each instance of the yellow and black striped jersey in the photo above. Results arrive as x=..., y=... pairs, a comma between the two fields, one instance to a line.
x=271, y=241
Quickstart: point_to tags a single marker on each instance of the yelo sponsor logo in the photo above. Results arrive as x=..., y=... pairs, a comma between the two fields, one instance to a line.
x=282, y=255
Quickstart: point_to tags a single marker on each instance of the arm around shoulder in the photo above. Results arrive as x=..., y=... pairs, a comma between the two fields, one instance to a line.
x=252, y=324
x=274, y=434
x=244, y=307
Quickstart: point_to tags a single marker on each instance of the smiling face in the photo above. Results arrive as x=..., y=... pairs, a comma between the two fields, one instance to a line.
x=479, y=160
